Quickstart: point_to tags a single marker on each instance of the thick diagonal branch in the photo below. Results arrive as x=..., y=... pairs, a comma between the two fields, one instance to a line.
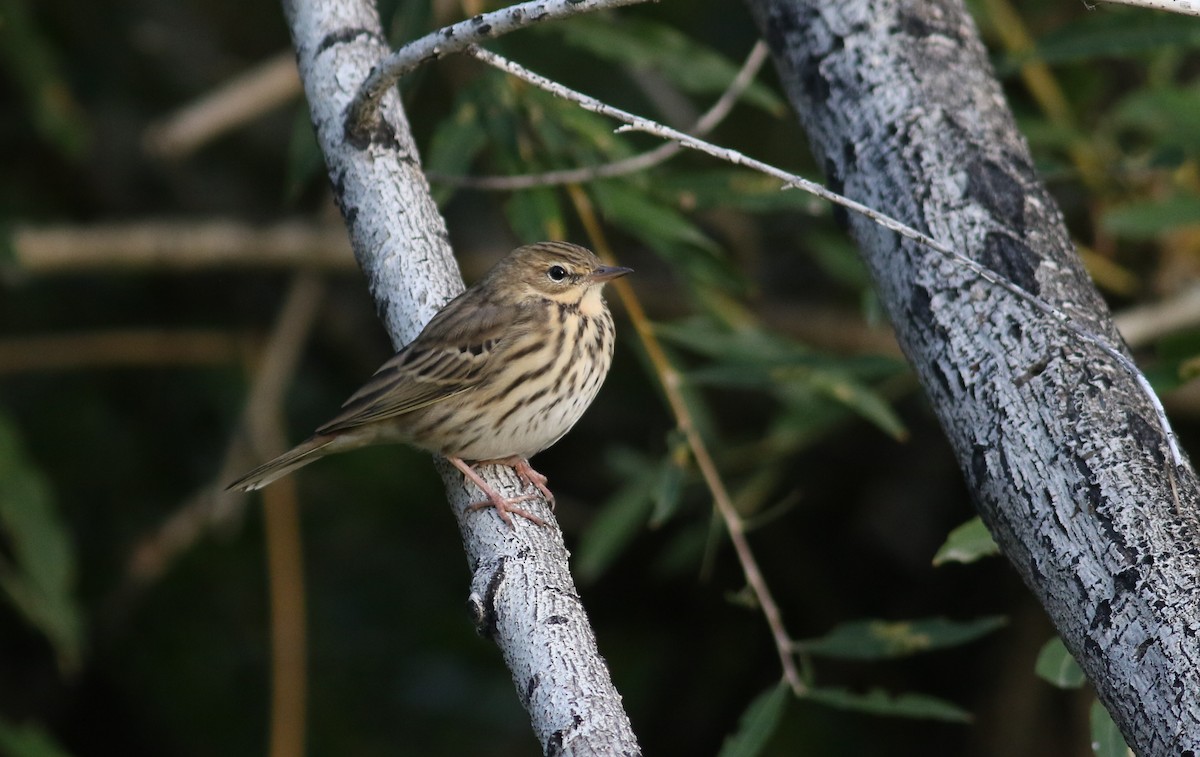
x=1061, y=446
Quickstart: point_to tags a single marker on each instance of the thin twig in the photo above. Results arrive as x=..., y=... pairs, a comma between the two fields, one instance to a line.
x=179, y=245
x=236, y=102
x=211, y=507
x=671, y=381
x=119, y=349
x=1186, y=7
x=705, y=124
x=362, y=112
x=637, y=123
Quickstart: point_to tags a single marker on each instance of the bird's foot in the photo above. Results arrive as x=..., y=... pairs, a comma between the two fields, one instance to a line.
x=503, y=505
x=527, y=474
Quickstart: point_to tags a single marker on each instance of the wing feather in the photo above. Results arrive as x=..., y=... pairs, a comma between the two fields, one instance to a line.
x=449, y=357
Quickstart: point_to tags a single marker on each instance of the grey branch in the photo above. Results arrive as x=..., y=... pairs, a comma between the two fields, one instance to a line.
x=361, y=113
x=1060, y=445
x=526, y=598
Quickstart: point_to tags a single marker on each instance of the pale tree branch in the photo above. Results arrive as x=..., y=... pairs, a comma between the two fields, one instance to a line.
x=1063, y=447
x=1186, y=7
x=236, y=102
x=522, y=590
x=178, y=245
x=362, y=110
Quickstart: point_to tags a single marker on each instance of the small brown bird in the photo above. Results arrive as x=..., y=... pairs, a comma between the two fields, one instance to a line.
x=502, y=372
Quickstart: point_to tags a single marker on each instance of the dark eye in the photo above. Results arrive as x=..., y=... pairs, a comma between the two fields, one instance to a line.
x=557, y=273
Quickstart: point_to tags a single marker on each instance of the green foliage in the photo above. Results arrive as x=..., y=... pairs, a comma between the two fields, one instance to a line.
x=967, y=543
x=1107, y=740
x=32, y=62
x=28, y=740
x=881, y=639
x=758, y=723
x=1148, y=219
x=761, y=360
x=879, y=702
x=39, y=580
x=642, y=44
x=1056, y=666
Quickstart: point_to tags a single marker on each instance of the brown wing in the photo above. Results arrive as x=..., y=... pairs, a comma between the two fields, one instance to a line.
x=450, y=356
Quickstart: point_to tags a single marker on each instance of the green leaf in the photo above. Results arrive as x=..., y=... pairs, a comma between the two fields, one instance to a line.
x=969, y=542
x=1116, y=34
x=728, y=188
x=31, y=63
x=1056, y=666
x=1148, y=219
x=1169, y=116
x=456, y=142
x=669, y=233
x=28, y=740
x=758, y=723
x=536, y=214
x=40, y=580
x=1107, y=740
x=860, y=398
x=758, y=359
x=620, y=519
x=880, y=639
x=641, y=43
x=879, y=702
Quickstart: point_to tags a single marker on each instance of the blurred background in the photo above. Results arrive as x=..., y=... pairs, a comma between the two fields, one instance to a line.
x=174, y=280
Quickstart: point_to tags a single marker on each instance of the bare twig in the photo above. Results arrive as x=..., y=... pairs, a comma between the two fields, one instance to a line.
x=706, y=123
x=362, y=112
x=238, y=101
x=1186, y=7
x=1143, y=324
x=180, y=246
x=637, y=123
x=118, y=349
x=671, y=382
x=211, y=506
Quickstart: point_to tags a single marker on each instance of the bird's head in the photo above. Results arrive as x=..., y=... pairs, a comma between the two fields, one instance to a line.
x=556, y=271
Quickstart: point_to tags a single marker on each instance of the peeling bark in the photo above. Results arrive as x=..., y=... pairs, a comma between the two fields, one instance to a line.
x=522, y=590
x=1062, y=451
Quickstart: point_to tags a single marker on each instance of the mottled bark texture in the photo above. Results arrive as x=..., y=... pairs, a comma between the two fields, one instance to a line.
x=1067, y=463
x=522, y=592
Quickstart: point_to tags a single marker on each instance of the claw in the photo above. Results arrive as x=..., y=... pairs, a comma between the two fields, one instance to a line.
x=502, y=504
x=527, y=474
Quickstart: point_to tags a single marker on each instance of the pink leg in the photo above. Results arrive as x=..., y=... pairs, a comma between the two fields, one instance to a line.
x=526, y=473
x=503, y=505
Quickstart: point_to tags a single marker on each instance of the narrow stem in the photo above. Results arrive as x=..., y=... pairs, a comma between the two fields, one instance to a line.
x=671, y=381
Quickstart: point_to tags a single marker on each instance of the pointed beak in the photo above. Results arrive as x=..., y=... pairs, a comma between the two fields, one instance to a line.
x=607, y=273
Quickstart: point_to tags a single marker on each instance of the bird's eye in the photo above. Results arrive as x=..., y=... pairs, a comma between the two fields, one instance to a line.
x=557, y=273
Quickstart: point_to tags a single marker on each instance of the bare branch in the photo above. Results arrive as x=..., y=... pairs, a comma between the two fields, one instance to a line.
x=180, y=246
x=119, y=349
x=1143, y=324
x=1186, y=7
x=238, y=101
x=361, y=114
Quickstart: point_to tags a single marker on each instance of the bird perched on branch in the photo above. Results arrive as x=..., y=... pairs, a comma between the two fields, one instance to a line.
x=502, y=372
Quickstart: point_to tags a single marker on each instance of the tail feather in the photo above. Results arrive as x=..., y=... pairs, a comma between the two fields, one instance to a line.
x=297, y=457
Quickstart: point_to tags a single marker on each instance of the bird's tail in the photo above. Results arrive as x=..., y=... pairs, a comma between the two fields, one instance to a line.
x=297, y=457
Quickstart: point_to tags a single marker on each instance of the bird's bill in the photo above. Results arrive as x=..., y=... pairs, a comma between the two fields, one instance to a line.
x=608, y=273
